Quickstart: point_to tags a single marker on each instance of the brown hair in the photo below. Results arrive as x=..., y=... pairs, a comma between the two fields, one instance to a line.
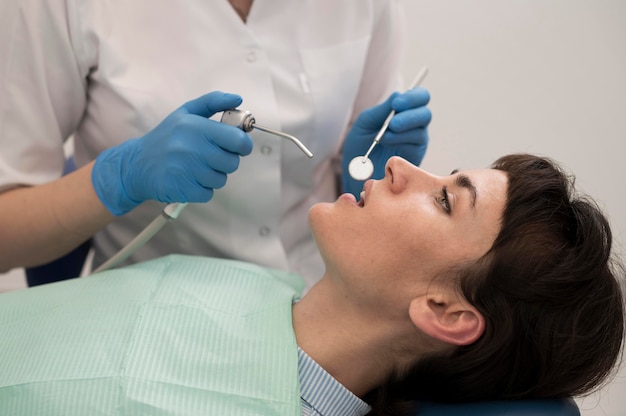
x=550, y=294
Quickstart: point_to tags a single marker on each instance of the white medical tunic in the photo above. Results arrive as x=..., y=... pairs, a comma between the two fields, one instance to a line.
x=105, y=71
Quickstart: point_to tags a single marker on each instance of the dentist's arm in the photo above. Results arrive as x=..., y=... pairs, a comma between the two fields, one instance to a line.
x=183, y=159
x=41, y=223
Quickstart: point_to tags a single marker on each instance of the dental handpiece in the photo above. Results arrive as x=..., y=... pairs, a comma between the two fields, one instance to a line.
x=361, y=167
x=246, y=122
x=234, y=117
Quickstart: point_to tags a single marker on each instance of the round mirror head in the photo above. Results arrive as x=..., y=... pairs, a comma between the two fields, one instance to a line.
x=361, y=168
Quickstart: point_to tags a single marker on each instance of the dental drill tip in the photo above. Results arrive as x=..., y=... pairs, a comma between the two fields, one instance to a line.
x=297, y=142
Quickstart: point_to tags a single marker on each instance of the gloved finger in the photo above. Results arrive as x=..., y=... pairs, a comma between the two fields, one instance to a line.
x=410, y=119
x=417, y=137
x=411, y=152
x=413, y=98
x=216, y=158
x=211, y=103
x=189, y=190
x=227, y=137
x=212, y=179
x=405, y=149
x=374, y=117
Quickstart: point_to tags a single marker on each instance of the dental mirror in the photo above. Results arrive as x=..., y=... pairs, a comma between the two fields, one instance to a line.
x=361, y=168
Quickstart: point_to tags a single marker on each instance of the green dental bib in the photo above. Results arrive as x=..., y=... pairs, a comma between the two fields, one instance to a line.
x=179, y=335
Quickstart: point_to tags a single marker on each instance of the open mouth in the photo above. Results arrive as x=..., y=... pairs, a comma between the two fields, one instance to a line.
x=365, y=193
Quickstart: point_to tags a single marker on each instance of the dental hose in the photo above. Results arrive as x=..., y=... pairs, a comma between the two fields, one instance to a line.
x=169, y=213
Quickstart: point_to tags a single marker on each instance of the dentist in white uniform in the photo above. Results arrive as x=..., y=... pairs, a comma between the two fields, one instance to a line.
x=113, y=74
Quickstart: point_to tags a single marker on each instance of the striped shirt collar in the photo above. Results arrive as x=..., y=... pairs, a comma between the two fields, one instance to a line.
x=321, y=394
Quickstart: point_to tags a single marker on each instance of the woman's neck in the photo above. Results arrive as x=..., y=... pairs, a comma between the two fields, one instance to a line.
x=358, y=348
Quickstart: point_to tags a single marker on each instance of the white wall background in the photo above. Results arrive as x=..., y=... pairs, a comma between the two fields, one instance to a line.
x=540, y=76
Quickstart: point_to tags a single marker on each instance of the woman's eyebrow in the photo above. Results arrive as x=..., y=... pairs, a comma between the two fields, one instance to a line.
x=463, y=181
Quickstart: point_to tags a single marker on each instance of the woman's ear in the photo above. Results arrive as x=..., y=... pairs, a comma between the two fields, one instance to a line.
x=447, y=318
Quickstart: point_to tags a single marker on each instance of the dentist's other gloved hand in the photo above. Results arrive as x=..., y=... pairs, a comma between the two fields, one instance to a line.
x=406, y=136
x=183, y=159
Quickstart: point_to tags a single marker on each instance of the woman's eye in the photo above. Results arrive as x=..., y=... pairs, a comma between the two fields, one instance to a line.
x=444, y=200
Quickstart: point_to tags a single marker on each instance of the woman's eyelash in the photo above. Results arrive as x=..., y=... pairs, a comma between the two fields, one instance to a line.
x=444, y=200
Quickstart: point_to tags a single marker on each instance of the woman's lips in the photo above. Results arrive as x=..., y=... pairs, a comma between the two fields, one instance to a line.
x=349, y=198
x=367, y=187
x=363, y=196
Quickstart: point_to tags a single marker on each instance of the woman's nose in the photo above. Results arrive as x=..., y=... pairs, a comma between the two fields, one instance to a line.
x=396, y=173
x=400, y=173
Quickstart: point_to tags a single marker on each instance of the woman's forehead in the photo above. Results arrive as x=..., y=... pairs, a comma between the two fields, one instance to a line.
x=483, y=184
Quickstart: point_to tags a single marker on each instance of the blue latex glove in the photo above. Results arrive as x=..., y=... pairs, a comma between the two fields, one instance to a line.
x=183, y=159
x=406, y=136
